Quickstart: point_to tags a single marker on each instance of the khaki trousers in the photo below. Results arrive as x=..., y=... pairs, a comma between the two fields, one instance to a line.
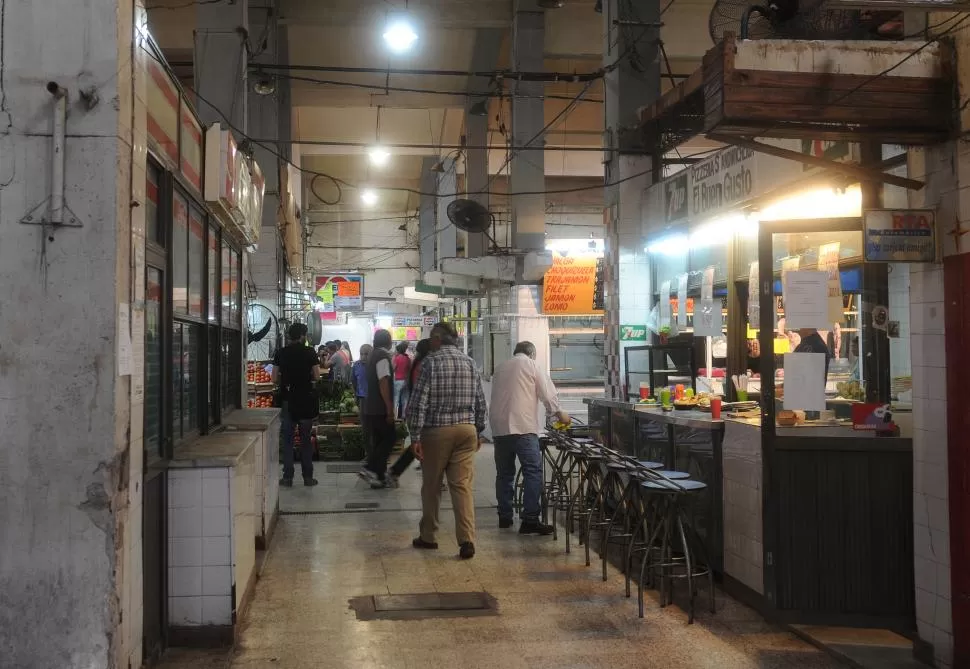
x=449, y=450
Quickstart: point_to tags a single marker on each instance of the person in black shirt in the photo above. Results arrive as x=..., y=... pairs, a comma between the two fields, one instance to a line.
x=812, y=342
x=296, y=369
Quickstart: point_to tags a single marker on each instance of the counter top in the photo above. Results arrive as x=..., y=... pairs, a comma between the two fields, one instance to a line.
x=613, y=404
x=222, y=449
x=691, y=418
x=250, y=419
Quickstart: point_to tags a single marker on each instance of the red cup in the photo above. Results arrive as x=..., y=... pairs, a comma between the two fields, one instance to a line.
x=716, y=408
x=679, y=391
x=644, y=391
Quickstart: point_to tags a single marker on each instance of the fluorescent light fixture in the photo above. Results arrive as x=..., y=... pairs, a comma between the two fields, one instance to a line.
x=368, y=196
x=378, y=156
x=673, y=245
x=400, y=36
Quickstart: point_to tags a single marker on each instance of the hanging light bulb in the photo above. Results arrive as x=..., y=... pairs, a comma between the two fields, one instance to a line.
x=400, y=36
x=378, y=156
x=369, y=197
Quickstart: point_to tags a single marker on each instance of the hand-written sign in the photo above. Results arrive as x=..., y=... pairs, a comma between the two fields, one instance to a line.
x=569, y=285
x=900, y=235
x=725, y=179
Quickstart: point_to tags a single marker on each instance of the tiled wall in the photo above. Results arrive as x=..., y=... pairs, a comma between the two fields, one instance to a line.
x=928, y=356
x=743, y=528
x=899, y=347
x=244, y=514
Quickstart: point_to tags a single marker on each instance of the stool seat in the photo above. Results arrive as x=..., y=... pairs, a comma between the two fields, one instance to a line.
x=650, y=464
x=669, y=474
x=687, y=485
x=583, y=440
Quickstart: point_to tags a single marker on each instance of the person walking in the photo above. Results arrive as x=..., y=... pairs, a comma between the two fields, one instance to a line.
x=518, y=386
x=339, y=363
x=402, y=369
x=359, y=375
x=377, y=414
x=296, y=369
x=446, y=417
x=407, y=457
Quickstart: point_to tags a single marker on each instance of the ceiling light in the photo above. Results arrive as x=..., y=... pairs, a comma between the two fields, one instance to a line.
x=378, y=156
x=400, y=36
x=368, y=196
x=480, y=108
x=264, y=86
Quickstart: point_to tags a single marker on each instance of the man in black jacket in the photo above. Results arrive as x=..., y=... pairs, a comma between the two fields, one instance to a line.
x=295, y=369
x=377, y=410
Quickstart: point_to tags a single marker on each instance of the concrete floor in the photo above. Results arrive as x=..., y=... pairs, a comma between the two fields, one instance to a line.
x=553, y=610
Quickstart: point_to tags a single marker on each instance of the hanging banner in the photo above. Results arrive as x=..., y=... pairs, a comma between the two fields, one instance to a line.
x=708, y=316
x=754, y=306
x=828, y=262
x=413, y=321
x=682, y=300
x=344, y=292
x=707, y=284
x=569, y=286
x=665, y=305
x=900, y=235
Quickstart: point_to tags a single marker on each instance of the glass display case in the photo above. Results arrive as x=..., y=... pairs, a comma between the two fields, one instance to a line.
x=662, y=365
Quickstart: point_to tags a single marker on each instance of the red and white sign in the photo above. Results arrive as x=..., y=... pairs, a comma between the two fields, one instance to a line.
x=234, y=185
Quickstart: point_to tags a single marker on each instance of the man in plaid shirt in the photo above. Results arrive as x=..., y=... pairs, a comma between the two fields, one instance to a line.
x=445, y=416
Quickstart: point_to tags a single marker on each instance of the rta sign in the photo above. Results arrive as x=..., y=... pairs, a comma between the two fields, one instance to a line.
x=904, y=220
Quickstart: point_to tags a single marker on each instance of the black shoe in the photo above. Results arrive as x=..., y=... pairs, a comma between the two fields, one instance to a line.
x=309, y=482
x=505, y=523
x=466, y=551
x=426, y=545
x=286, y=483
x=535, y=527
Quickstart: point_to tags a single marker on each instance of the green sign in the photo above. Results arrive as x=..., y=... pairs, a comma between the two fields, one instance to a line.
x=633, y=333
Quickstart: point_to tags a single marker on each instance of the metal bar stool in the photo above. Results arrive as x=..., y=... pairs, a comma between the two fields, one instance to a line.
x=586, y=459
x=671, y=530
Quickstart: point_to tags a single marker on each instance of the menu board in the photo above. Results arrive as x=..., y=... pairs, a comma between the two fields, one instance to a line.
x=344, y=292
x=569, y=286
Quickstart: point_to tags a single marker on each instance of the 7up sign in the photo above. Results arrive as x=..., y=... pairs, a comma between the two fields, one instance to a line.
x=633, y=333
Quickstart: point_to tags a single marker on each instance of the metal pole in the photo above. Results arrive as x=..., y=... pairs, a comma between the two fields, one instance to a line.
x=57, y=151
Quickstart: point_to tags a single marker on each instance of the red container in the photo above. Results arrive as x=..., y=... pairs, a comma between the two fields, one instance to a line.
x=716, y=408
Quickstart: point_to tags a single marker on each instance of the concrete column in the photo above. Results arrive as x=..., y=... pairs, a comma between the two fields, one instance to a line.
x=632, y=59
x=488, y=41
x=71, y=461
x=446, y=184
x=528, y=167
x=426, y=217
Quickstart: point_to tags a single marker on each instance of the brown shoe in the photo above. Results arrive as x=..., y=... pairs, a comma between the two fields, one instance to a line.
x=467, y=551
x=426, y=545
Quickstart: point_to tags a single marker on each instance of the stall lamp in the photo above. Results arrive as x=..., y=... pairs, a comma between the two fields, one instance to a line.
x=400, y=36
x=378, y=156
x=369, y=197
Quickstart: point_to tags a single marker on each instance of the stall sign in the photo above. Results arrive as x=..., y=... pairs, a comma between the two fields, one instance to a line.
x=163, y=113
x=633, y=333
x=190, y=133
x=675, y=197
x=345, y=292
x=900, y=235
x=723, y=181
x=231, y=187
x=569, y=286
x=872, y=417
x=413, y=321
x=405, y=334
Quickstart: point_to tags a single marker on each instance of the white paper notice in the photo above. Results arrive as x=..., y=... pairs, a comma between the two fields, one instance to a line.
x=124, y=340
x=707, y=285
x=828, y=261
x=665, y=304
x=138, y=354
x=805, y=380
x=754, y=306
x=806, y=300
x=682, y=300
x=708, y=319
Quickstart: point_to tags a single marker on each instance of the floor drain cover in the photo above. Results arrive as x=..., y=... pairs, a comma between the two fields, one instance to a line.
x=362, y=505
x=424, y=605
x=343, y=468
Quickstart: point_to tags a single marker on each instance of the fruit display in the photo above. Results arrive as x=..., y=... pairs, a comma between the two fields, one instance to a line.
x=851, y=390
x=699, y=401
x=261, y=401
x=256, y=373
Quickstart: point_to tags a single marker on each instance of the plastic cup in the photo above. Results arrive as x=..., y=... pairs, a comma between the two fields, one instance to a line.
x=665, y=397
x=644, y=391
x=742, y=396
x=679, y=391
x=716, y=408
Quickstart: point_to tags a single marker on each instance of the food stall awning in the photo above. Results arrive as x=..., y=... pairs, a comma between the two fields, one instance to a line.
x=891, y=92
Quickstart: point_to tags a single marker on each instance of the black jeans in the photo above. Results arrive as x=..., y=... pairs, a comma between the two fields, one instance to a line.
x=403, y=462
x=382, y=436
x=288, y=429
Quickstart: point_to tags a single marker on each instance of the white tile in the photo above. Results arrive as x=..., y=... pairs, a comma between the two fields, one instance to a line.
x=924, y=572
x=185, y=552
x=943, y=646
x=943, y=588
x=215, y=473
x=185, y=523
x=935, y=353
x=215, y=492
x=925, y=606
x=216, y=551
x=217, y=610
x=217, y=580
x=185, y=611
x=931, y=480
x=185, y=493
x=185, y=581
x=938, y=513
x=216, y=522
x=940, y=546
x=944, y=615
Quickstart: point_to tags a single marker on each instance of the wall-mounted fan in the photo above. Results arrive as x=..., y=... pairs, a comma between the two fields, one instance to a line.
x=471, y=216
x=263, y=336
x=788, y=19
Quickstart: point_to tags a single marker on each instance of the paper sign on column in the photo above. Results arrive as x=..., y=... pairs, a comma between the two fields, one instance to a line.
x=828, y=261
x=806, y=296
x=708, y=319
x=665, y=304
x=805, y=380
x=682, y=300
x=707, y=284
x=754, y=306
x=124, y=340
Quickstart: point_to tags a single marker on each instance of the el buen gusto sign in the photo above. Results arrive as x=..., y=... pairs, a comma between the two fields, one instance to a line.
x=724, y=180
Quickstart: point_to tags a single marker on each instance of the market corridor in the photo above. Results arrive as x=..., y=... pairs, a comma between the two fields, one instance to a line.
x=553, y=611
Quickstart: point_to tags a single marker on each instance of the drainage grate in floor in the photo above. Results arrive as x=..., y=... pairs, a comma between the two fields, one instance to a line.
x=424, y=605
x=362, y=505
x=344, y=468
